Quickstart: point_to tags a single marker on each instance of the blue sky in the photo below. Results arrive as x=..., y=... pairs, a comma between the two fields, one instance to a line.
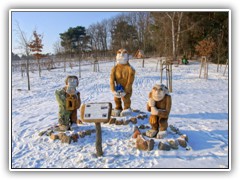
x=50, y=24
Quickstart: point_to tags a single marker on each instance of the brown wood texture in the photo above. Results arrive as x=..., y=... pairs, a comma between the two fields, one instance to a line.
x=98, y=139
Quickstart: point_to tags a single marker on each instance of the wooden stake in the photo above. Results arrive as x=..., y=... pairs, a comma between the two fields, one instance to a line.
x=225, y=68
x=204, y=66
x=201, y=68
x=170, y=78
x=157, y=65
x=167, y=75
x=206, y=69
x=161, y=71
x=98, y=139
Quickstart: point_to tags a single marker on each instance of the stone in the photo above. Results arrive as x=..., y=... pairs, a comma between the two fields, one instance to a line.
x=174, y=129
x=164, y=147
x=147, y=127
x=126, y=122
x=136, y=110
x=173, y=143
x=93, y=130
x=144, y=116
x=151, y=133
x=60, y=135
x=133, y=120
x=150, y=144
x=54, y=136
x=182, y=142
x=42, y=133
x=63, y=127
x=136, y=132
x=141, y=143
x=75, y=137
x=119, y=122
x=142, y=126
x=161, y=134
x=66, y=139
x=140, y=116
x=88, y=132
x=81, y=134
x=79, y=122
x=112, y=121
x=48, y=133
x=184, y=136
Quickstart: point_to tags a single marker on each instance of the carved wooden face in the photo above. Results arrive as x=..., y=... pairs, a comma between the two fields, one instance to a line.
x=158, y=92
x=72, y=83
x=122, y=56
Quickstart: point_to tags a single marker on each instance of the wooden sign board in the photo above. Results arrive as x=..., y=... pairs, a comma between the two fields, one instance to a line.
x=96, y=112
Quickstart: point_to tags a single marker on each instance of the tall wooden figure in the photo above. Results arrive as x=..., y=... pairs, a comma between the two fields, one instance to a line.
x=121, y=81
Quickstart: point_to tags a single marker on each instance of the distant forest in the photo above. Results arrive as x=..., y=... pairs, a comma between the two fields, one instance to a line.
x=168, y=34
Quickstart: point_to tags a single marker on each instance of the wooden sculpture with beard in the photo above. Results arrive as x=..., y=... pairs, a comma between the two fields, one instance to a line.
x=159, y=104
x=122, y=75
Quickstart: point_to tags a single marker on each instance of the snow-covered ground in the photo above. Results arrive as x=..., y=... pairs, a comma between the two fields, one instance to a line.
x=199, y=109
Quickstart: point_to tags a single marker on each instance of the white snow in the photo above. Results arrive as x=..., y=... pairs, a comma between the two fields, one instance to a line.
x=199, y=109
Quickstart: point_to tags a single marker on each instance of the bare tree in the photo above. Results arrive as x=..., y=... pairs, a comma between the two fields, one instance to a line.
x=175, y=29
x=24, y=46
x=98, y=36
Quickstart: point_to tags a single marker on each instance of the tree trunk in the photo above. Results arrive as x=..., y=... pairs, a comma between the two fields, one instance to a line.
x=39, y=68
x=79, y=64
x=65, y=63
x=98, y=139
x=161, y=71
x=22, y=69
x=28, y=78
x=178, y=34
x=225, y=68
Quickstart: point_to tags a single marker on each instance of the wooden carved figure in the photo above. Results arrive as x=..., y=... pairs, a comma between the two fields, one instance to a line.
x=69, y=101
x=159, y=104
x=121, y=81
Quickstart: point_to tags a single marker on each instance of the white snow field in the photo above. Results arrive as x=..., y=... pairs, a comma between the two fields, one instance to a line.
x=199, y=109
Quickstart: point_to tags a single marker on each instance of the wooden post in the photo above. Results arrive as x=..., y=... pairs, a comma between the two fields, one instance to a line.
x=143, y=63
x=225, y=68
x=204, y=66
x=96, y=113
x=166, y=66
x=98, y=139
x=201, y=68
x=170, y=78
x=206, y=69
x=161, y=71
x=157, y=65
x=79, y=61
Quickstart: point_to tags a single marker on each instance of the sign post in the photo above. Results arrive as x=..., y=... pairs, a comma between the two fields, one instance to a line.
x=96, y=113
